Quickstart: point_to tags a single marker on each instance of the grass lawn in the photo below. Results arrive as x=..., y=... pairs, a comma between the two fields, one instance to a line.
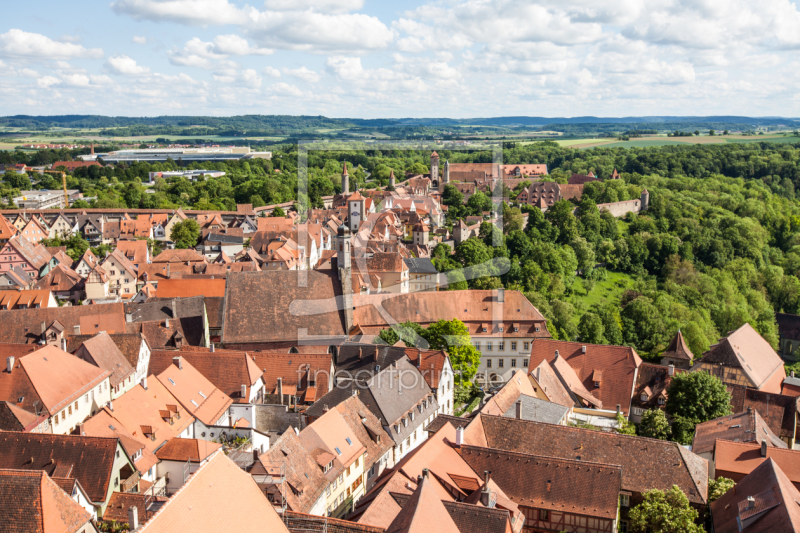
x=573, y=142
x=623, y=227
x=765, y=138
x=603, y=292
x=642, y=143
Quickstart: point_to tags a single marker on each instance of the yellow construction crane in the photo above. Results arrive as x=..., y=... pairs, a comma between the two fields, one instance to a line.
x=63, y=183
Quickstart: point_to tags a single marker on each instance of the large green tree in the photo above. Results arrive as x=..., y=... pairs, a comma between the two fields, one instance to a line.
x=664, y=512
x=654, y=424
x=185, y=234
x=695, y=397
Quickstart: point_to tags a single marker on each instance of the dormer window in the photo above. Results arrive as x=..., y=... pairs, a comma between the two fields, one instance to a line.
x=644, y=397
x=661, y=401
x=405, y=422
x=596, y=384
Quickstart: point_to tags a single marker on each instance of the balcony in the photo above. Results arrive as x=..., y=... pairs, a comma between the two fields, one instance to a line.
x=131, y=484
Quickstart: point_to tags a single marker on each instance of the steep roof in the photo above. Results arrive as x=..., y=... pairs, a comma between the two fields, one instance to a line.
x=747, y=426
x=135, y=251
x=35, y=254
x=330, y=439
x=617, y=363
x=778, y=410
x=220, y=496
x=225, y=369
x=678, y=349
x=533, y=408
x=551, y=385
x=774, y=507
x=646, y=463
x=585, y=488
x=179, y=256
x=192, y=450
x=128, y=343
x=518, y=384
x=61, y=278
x=59, y=378
x=152, y=416
x=305, y=481
x=34, y=503
x=104, y=425
x=282, y=305
x=121, y=502
x=90, y=460
x=197, y=394
x=13, y=418
x=744, y=348
x=104, y=353
x=291, y=368
x=423, y=509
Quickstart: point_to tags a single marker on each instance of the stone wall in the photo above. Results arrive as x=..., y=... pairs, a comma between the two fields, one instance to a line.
x=620, y=209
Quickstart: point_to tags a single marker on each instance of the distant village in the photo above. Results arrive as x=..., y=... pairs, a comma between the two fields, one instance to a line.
x=244, y=383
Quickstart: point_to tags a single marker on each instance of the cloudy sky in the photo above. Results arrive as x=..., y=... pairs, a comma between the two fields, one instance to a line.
x=371, y=58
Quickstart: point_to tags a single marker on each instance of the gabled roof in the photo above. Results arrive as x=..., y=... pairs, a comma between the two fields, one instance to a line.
x=308, y=523
x=777, y=410
x=128, y=343
x=7, y=229
x=743, y=457
x=35, y=254
x=121, y=502
x=34, y=503
x=13, y=418
x=123, y=261
x=59, y=378
x=532, y=408
x=423, y=509
x=103, y=352
x=220, y=496
x=329, y=439
x=90, y=460
x=183, y=450
x=518, y=384
x=61, y=278
x=744, y=348
x=551, y=385
x=646, y=463
x=226, y=370
x=747, y=426
x=135, y=251
x=140, y=409
x=197, y=394
x=775, y=503
x=10, y=299
x=617, y=363
x=104, y=425
x=305, y=481
x=179, y=256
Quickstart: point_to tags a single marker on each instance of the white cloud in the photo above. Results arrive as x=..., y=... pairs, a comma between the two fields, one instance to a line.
x=47, y=81
x=18, y=43
x=325, y=6
x=303, y=73
x=272, y=71
x=198, y=53
x=285, y=89
x=189, y=12
x=139, y=39
x=122, y=64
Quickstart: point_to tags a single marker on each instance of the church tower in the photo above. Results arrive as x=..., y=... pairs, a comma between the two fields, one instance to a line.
x=445, y=178
x=434, y=168
x=345, y=181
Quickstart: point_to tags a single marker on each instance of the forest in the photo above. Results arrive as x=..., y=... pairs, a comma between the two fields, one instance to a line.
x=718, y=246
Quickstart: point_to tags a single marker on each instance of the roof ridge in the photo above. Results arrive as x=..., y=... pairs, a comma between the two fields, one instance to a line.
x=499, y=451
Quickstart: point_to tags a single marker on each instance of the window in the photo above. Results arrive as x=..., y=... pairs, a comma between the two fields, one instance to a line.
x=596, y=384
x=500, y=363
x=501, y=346
x=513, y=345
x=526, y=345
x=661, y=401
x=489, y=346
x=328, y=493
x=476, y=344
x=76, y=405
x=341, y=478
x=513, y=363
x=347, y=472
x=544, y=515
x=69, y=410
x=488, y=363
x=55, y=419
x=623, y=526
x=525, y=363
x=624, y=500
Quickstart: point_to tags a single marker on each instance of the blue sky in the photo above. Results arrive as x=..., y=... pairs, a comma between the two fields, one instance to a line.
x=371, y=59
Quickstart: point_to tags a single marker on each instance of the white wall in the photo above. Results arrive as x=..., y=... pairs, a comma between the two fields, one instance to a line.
x=88, y=403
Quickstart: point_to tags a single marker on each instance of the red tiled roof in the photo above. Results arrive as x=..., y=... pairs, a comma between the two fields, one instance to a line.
x=747, y=426
x=34, y=503
x=90, y=460
x=192, y=450
x=185, y=288
x=197, y=394
x=618, y=363
x=220, y=496
x=742, y=458
x=423, y=509
x=72, y=165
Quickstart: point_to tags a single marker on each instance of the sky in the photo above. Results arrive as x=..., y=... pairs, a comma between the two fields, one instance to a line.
x=411, y=58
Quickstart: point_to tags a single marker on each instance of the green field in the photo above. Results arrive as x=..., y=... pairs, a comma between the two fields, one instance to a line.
x=772, y=139
x=640, y=143
x=603, y=292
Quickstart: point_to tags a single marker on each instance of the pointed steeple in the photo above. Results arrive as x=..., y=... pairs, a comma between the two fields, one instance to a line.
x=344, y=166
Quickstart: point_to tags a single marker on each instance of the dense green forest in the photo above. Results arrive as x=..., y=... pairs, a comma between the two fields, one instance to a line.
x=718, y=246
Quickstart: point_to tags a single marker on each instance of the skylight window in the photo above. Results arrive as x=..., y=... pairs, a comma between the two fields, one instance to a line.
x=170, y=380
x=349, y=441
x=195, y=403
x=338, y=451
x=201, y=394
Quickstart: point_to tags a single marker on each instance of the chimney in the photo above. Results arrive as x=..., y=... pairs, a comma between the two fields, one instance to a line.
x=280, y=390
x=64, y=344
x=376, y=353
x=519, y=409
x=459, y=436
x=10, y=363
x=255, y=454
x=538, y=374
x=133, y=518
x=425, y=473
x=619, y=409
x=360, y=354
x=485, y=491
x=749, y=409
x=76, y=330
x=212, y=347
x=174, y=309
x=144, y=383
x=583, y=349
x=166, y=322
x=501, y=295
x=244, y=391
x=556, y=355
x=110, y=405
x=80, y=429
x=671, y=370
x=791, y=374
x=764, y=448
x=177, y=362
x=751, y=502
x=43, y=325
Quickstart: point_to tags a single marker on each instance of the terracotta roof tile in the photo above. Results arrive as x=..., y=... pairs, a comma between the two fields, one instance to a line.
x=197, y=394
x=227, y=370
x=24, y=325
x=307, y=523
x=13, y=418
x=179, y=256
x=423, y=508
x=305, y=481
x=192, y=450
x=220, y=496
x=505, y=398
x=747, y=426
x=185, y=288
x=742, y=458
x=101, y=351
x=90, y=460
x=47, y=508
x=121, y=502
